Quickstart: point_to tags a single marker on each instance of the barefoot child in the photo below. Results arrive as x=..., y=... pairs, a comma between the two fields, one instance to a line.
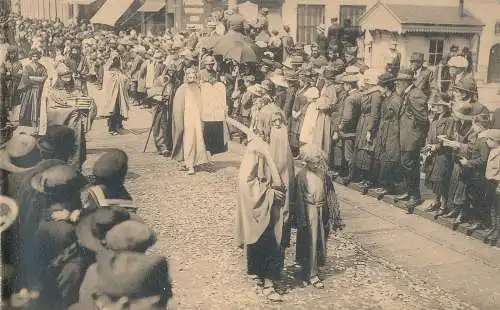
x=317, y=213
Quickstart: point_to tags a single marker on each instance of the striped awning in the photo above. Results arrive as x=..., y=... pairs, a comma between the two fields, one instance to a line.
x=152, y=6
x=111, y=11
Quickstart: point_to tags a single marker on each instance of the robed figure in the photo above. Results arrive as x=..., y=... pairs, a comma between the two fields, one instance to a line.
x=187, y=129
x=213, y=112
x=265, y=181
x=30, y=90
x=116, y=102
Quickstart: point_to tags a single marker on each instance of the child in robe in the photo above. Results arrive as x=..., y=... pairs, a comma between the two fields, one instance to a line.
x=317, y=213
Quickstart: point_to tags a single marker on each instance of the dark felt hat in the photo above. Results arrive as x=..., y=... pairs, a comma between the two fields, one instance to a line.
x=111, y=165
x=57, y=139
x=467, y=111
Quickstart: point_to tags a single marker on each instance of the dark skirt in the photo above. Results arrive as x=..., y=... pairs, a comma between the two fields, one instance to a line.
x=30, y=106
x=213, y=135
x=457, y=193
x=265, y=258
x=364, y=159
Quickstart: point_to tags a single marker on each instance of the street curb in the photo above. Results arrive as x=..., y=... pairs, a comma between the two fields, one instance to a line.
x=390, y=200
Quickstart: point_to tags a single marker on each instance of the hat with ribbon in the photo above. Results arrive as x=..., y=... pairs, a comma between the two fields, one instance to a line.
x=20, y=154
x=467, y=84
x=458, y=62
x=467, y=111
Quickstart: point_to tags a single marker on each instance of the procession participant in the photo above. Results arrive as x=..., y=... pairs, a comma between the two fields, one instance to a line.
x=386, y=143
x=115, y=85
x=317, y=213
x=213, y=109
x=413, y=127
x=276, y=45
x=134, y=73
x=320, y=39
x=262, y=26
x=317, y=59
x=333, y=34
x=187, y=128
x=266, y=188
x=30, y=90
x=345, y=133
x=424, y=77
x=244, y=103
x=492, y=175
x=162, y=121
x=299, y=109
x=279, y=81
x=438, y=164
x=308, y=129
x=77, y=63
x=367, y=128
x=468, y=56
x=292, y=80
x=60, y=113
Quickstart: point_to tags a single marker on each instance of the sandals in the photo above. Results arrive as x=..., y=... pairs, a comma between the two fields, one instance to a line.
x=317, y=283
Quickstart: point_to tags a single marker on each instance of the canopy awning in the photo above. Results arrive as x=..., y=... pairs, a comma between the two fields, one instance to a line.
x=111, y=11
x=81, y=2
x=152, y=6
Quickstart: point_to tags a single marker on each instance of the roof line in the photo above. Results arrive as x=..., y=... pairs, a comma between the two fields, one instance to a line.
x=374, y=7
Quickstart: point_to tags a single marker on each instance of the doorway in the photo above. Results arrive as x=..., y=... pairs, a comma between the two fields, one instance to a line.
x=494, y=64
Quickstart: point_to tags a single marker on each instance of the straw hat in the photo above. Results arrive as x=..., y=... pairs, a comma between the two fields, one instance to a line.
x=458, y=62
x=20, y=154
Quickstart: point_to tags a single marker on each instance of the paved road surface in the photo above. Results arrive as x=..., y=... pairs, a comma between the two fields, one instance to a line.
x=384, y=260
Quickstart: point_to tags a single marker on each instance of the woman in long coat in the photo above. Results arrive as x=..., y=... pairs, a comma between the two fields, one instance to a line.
x=367, y=128
x=438, y=164
x=30, y=90
x=386, y=143
x=266, y=181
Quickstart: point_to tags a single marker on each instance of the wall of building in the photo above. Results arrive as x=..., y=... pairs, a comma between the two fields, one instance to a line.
x=46, y=9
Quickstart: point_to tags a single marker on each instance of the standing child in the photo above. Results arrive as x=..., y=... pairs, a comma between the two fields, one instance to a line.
x=317, y=213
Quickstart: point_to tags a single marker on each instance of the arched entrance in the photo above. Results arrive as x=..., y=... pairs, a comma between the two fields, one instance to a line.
x=494, y=64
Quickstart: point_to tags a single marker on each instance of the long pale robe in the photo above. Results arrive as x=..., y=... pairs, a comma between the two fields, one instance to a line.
x=257, y=207
x=115, y=87
x=187, y=131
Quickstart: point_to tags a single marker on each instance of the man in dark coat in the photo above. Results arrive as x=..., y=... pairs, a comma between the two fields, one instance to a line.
x=333, y=33
x=350, y=112
x=424, y=77
x=414, y=124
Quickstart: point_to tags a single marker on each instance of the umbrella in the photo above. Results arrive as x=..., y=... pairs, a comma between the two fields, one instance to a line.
x=236, y=46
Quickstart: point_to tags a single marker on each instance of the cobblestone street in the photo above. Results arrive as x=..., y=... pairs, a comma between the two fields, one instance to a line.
x=194, y=220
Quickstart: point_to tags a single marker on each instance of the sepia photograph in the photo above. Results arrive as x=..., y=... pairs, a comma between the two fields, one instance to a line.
x=250, y=154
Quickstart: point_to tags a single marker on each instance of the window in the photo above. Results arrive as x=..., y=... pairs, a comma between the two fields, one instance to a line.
x=308, y=18
x=351, y=12
x=497, y=28
x=435, y=51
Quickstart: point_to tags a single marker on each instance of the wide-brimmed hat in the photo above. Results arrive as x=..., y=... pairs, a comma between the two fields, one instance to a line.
x=467, y=111
x=112, y=165
x=257, y=90
x=20, y=154
x=92, y=229
x=58, y=139
x=143, y=280
x=60, y=181
x=467, y=84
x=8, y=212
x=405, y=74
x=458, y=62
x=385, y=79
x=130, y=235
x=350, y=78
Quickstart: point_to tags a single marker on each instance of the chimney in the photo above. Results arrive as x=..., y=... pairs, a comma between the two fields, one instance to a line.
x=461, y=8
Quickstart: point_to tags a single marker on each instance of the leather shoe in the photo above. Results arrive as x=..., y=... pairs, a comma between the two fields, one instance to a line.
x=403, y=196
x=451, y=214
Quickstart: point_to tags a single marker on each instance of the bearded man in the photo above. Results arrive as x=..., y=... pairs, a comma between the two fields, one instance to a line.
x=77, y=63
